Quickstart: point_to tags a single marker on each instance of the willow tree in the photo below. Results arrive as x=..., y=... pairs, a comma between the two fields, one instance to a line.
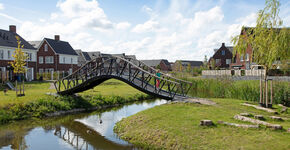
x=18, y=64
x=269, y=40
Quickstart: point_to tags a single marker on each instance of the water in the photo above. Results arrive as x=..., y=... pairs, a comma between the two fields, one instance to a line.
x=81, y=131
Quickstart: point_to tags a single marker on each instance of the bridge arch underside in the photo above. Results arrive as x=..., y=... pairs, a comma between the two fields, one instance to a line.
x=91, y=83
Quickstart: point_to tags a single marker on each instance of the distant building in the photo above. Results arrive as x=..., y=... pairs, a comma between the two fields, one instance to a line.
x=222, y=57
x=161, y=64
x=83, y=57
x=56, y=55
x=8, y=43
x=186, y=63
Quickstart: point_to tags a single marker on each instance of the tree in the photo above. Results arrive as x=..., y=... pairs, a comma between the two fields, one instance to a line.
x=188, y=68
x=268, y=40
x=205, y=61
x=212, y=64
x=19, y=63
x=178, y=66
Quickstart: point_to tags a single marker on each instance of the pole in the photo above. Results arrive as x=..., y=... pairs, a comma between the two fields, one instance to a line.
x=271, y=103
x=266, y=89
x=261, y=90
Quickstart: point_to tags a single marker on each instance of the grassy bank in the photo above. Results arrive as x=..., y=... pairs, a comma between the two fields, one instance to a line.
x=176, y=126
x=243, y=90
x=36, y=103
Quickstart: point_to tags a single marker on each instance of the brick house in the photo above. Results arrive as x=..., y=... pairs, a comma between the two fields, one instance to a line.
x=243, y=62
x=161, y=64
x=8, y=43
x=222, y=57
x=56, y=55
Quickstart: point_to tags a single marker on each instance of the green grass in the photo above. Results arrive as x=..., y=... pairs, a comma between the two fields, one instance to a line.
x=37, y=90
x=176, y=126
x=36, y=103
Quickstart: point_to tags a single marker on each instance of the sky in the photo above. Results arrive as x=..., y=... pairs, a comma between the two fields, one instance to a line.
x=149, y=29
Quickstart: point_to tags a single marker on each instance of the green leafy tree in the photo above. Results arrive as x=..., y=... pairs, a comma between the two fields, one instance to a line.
x=19, y=63
x=205, y=62
x=268, y=40
x=188, y=68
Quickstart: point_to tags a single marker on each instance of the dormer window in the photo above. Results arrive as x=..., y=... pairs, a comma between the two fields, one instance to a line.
x=223, y=52
x=45, y=47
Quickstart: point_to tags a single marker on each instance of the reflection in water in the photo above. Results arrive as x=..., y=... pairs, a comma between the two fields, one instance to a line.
x=82, y=131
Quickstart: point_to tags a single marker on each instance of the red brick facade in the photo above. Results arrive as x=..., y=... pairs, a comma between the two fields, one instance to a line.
x=245, y=62
x=222, y=54
x=56, y=62
x=164, y=67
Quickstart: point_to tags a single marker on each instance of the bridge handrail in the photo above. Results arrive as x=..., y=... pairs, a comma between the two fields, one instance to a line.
x=123, y=60
x=162, y=72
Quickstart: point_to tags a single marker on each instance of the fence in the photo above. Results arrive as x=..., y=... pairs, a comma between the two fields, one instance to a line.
x=233, y=72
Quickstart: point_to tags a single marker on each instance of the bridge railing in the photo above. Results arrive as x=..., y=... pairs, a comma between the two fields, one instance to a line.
x=119, y=66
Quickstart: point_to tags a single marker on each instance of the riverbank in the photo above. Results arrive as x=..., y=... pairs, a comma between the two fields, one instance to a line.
x=176, y=126
x=36, y=104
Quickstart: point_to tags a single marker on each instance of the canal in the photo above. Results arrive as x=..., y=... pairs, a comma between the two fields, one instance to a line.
x=92, y=130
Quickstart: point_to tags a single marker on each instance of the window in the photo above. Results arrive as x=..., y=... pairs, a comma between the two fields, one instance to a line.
x=242, y=58
x=63, y=60
x=29, y=56
x=40, y=70
x=71, y=60
x=223, y=52
x=49, y=59
x=9, y=54
x=40, y=60
x=217, y=61
x=247, y=57
x=228, y=61
x=45, y=47
x=1, y=54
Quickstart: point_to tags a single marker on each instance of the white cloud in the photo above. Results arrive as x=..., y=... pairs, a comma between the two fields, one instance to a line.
x=1, y=6
x=148, y=26
x=10, y=17
x=174, y=33
x=123, y=25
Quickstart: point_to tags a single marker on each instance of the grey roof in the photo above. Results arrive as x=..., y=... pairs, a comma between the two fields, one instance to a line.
x=230, y=48
x=61, y=47
x=87, y=56
x=94, y=54
x=155, y=62
x=192, y=63
x=7, y=38
x=35, y=44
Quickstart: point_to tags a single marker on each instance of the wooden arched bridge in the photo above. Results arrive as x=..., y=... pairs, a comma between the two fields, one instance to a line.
x=132, y=71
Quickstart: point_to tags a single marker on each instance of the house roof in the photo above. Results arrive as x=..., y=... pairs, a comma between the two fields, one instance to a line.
x=7, y=38
x=192, y=63
x=61, y=47
x=35, y=44
x=87, y=56
x=155, y=62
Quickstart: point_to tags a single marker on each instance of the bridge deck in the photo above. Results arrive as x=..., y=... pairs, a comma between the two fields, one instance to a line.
x=134, y=73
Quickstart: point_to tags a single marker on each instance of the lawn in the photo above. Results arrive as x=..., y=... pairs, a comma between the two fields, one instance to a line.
x=38, y=90
x=176, y=126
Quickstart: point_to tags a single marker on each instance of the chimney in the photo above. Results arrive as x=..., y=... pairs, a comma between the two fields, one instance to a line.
x=12, y=28
x=56, y=37
x=223, y=45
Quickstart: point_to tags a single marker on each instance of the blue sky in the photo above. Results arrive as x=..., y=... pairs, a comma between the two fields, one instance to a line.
x=150, y=29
